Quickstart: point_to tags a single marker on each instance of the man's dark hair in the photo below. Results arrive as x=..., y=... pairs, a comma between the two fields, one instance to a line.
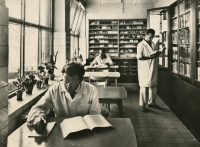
x=152, y=31
x=72, y=69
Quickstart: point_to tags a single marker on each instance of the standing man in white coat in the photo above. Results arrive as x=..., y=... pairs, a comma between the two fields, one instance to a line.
x=147, y=70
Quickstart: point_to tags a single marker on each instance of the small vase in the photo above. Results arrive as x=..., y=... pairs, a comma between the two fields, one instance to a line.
x=52, y=76
x=39, y=84
x=47, y=80
x=19, y=95
x=29, y=89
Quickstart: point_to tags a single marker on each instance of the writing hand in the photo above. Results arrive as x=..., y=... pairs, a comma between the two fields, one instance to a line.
x=32, y=118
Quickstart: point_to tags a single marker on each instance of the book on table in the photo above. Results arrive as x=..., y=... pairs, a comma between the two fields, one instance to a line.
x=80, y=123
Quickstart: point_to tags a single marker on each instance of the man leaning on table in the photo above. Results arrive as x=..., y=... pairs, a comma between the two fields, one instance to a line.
x=69, y=98
x=148, y=70
x=102, y=59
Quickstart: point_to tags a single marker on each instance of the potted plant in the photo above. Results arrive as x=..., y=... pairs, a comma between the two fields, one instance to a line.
x=20, y=88
x=42, y=79
x=28, y=83
x=50, y=66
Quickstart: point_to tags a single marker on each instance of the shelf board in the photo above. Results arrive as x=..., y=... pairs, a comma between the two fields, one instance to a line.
x=101, y=34
x=184, y=28
x=104, y=29
x=133, y=34
x=185, y=43
x=104, y=43
x=127, y=47
x=130, y=29
x=105, y=38
x=130, y=38
x=174, y=59
x=128, y=43
x=104, y=47
x=185, y=62
x=102, y=24
x=132, y=25
x=126, y=52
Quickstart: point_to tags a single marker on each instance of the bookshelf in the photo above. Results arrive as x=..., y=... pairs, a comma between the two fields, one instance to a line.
x=119, y=38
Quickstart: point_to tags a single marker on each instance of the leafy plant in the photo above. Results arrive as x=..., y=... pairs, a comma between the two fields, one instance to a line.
x=50, y=66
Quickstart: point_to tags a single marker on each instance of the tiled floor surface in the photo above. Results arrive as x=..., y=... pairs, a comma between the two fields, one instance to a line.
x=158, y=127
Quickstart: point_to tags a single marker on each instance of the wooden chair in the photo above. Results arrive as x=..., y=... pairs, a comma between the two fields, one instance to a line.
x=99, y=81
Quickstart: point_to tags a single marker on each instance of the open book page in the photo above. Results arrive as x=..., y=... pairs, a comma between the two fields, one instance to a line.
x=49, y=127
x=74, y=124
x=96, y=121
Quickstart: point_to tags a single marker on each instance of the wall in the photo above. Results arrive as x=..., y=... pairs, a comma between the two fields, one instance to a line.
x=163, y=3
x=111, y=11
x=3, y=72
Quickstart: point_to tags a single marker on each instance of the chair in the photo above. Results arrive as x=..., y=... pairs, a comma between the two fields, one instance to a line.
x=99, y=81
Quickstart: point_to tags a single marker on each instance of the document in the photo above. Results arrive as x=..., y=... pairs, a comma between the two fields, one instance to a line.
x=82, y=123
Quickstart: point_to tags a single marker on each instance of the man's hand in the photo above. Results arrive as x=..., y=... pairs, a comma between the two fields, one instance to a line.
x=33, y=118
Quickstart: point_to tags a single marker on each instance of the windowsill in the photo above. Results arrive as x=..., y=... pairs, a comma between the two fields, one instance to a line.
x=17, y=107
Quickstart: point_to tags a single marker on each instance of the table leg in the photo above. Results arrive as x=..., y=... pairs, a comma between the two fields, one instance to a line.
x=120, y=107
x=116, y=83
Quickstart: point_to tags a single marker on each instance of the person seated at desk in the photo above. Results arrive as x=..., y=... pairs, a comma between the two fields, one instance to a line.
x=68, y=98
x=102, y=59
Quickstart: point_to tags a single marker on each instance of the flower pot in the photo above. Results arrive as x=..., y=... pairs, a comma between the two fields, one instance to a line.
x=39, y=84
x=46, y=80
x=29, y=89
x=51, y=76
x=19, y=95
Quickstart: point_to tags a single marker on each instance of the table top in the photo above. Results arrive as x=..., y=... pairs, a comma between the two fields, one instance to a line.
x=123, y=134
x=103, y=74
x=94, y=67
x=112, y=92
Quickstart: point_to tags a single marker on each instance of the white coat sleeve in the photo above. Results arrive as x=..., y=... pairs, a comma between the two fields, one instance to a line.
x=139, y=51
x=95, y=106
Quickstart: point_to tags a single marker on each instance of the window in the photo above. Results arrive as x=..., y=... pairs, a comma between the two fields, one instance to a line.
x=29, y=48
x=14, y=54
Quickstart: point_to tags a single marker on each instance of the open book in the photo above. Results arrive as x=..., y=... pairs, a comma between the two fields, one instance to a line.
x=79, y=123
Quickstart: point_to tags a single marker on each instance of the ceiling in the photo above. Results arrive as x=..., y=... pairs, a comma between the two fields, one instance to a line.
x=117, y=1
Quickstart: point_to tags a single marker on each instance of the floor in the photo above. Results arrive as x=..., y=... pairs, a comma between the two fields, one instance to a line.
x=158, y=127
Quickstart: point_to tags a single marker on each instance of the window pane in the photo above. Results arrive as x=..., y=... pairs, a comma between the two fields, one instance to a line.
x=73, y=12
x=45, y=12
x=14, y=8
x=32, y=11
x=31, y=49
x=14, y=55
x=77, y=30
x=45, y=46
x=77, y=17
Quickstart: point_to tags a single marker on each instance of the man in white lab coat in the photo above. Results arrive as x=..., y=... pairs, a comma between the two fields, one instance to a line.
x=147, y=70
x=68, y=98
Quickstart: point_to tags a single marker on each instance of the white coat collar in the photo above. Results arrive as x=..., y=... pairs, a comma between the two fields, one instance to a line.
x=148, y=47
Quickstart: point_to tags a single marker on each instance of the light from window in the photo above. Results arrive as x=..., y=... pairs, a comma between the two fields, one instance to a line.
x=14, y=8
x=31, y=50
x=14, y=55
x=45, y=47
x=32, y=11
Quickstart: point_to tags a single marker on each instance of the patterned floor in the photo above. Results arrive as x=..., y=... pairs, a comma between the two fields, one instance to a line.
x=158, y=127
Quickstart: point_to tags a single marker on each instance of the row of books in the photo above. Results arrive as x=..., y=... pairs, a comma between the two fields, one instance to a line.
x=128, y=41
x=184, y=6
x=104, y=32
x=185, y=54
x=174, y=37
x=184, y=69
x=127, y=22
x=128, y=45
x=160, y=61
x=104, y=27
x=184, y=20
x=103, y=36
x=103, y=41
x=175, y=53
x=106, y=50
x=184, y=36
x=130, y=36
x=114, y=22
x=104, y=45
x=133, y=27
x=132, y=32
x=174, y=24
x=126, y=50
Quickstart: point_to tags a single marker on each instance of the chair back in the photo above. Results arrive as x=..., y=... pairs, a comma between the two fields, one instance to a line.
x=98, y=81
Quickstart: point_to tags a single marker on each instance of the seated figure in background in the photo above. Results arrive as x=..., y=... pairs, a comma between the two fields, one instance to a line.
x=68, y=98
x=102, y=59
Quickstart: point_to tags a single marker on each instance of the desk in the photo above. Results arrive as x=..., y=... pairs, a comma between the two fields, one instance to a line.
x=122, y=136
x=112, y=95
x=111, y=75
x=115, y=67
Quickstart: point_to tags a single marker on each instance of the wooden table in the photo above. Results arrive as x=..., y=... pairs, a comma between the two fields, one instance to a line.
x=122, y=136
x=115, y=67
x=111, y=75
x=112, y=95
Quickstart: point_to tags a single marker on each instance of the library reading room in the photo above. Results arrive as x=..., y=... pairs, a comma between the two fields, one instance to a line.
x=100, y=73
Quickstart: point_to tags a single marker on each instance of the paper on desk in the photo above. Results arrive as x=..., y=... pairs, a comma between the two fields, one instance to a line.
x=49, y=127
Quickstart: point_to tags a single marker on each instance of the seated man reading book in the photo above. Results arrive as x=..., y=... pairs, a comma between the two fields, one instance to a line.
x=68, y=98
x=102, y=59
